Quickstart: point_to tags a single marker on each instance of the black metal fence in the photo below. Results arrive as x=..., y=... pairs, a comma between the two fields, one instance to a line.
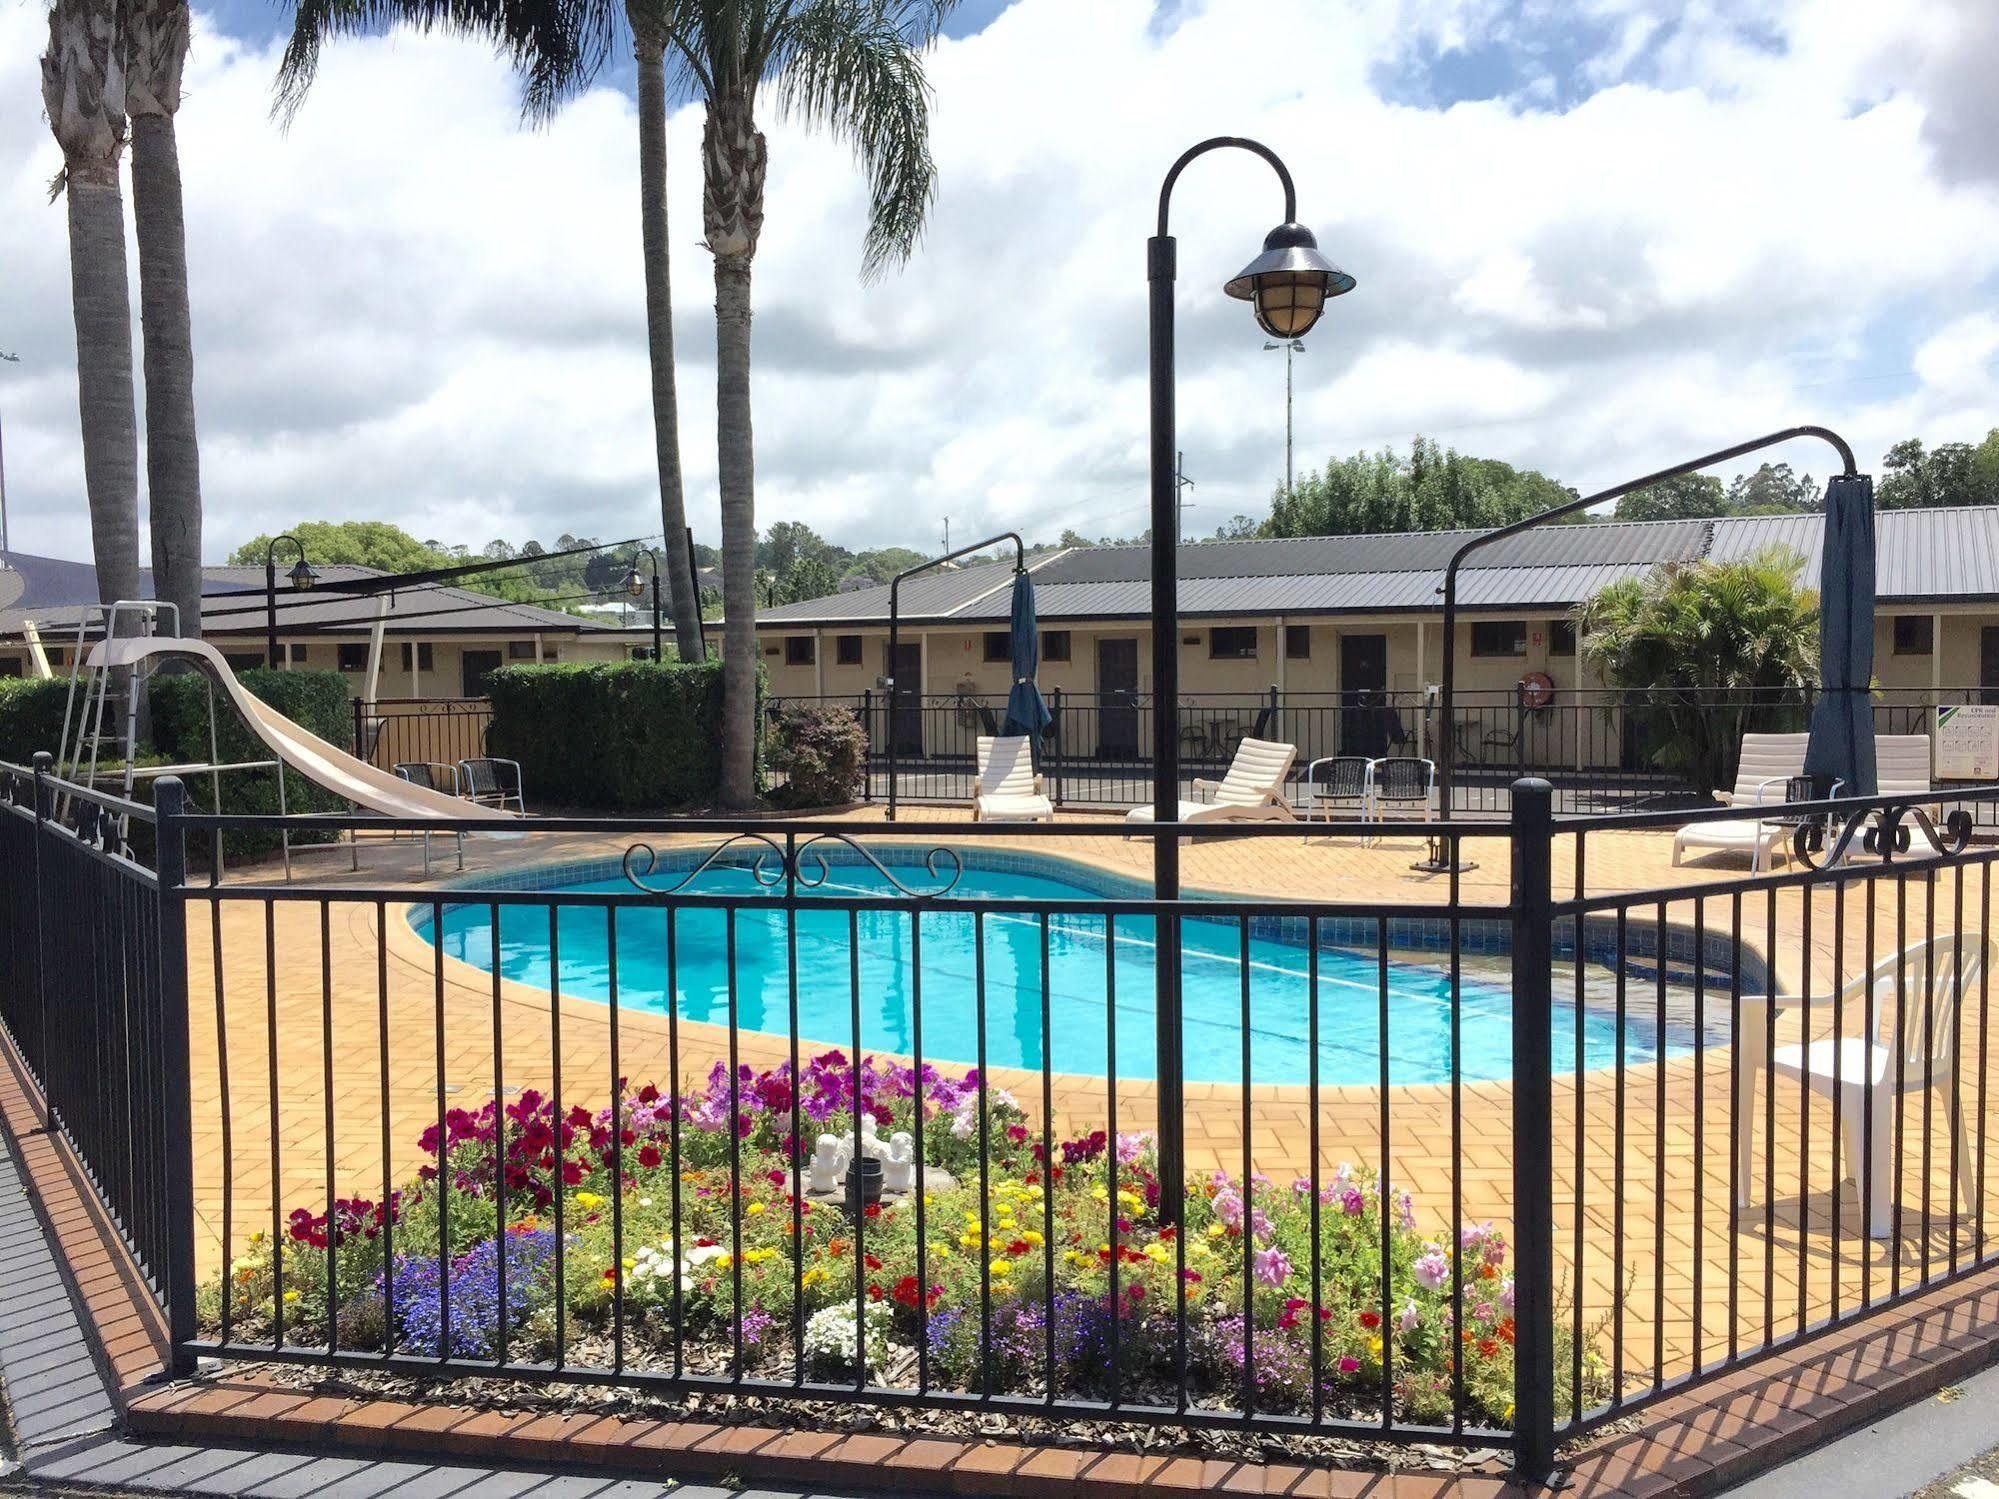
x=818, y=1110
x=421, y=730
x=1603, y=749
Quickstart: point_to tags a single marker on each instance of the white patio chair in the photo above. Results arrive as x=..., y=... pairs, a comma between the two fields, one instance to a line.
x=1008, y=788
x=1252, y=791
x=1902, y=768
x=1768, y=764
x=1867, y=1074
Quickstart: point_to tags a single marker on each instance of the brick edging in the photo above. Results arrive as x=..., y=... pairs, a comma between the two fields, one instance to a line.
x=1690, y=1445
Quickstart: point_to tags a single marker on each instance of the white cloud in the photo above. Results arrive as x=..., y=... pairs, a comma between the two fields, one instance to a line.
x=411, y=307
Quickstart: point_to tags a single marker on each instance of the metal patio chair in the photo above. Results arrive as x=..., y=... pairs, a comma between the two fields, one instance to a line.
x=493, y=782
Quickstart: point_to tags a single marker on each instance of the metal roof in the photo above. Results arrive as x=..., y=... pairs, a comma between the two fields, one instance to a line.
x=56, y=593
x=1927, y=555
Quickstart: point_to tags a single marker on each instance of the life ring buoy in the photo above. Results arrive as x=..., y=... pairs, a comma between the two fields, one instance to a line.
x=1537, y=690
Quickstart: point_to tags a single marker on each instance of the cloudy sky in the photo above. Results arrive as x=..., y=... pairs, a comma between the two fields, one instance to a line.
x=1591, y=236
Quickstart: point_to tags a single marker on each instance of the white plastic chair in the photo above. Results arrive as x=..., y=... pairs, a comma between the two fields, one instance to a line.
x=1768, y=764
x=1009, y=789
x=1865, y=1074
x=1252, y=791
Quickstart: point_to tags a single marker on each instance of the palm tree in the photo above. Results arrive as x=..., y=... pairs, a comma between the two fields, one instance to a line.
x=83, y=90
x=156, y=47
x=853, y=67
x=558, y=46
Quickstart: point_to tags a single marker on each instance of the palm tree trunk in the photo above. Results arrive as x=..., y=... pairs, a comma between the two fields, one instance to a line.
x=649, y=40
x=733, y=157
x=173, y=461
x=736, y=462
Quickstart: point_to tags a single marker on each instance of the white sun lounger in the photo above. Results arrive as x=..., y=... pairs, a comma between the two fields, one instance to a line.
x=1252, y=791
x=1768, y=763
x=1008, y=788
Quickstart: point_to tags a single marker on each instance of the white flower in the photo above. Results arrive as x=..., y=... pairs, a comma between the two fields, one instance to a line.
x=829, y=1336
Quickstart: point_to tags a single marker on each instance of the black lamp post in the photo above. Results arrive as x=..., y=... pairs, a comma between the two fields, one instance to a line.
x=301, y=577
x=1288, y=286
x=636, y=587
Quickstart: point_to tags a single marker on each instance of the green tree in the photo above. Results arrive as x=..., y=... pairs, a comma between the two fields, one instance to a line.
x=366, y=543
x=1686, y=497
x=1433, y=489
x=855, y=68
x=1952, y=473
x=807, y=578
x=1715, y=649
x=1773, y=490
x=558, y=46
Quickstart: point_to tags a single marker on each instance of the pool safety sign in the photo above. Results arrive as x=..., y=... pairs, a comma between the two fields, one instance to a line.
x=1967, y=743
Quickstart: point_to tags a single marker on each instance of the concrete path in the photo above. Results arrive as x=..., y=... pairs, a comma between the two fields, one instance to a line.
x=63, y=1427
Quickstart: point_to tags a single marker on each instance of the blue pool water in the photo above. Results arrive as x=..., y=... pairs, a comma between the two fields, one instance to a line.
x=1080, y=1021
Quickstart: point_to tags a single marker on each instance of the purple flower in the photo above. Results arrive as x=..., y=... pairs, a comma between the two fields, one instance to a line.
x=1432, y=1270
x=1352, y=1203
x=1273, y=1267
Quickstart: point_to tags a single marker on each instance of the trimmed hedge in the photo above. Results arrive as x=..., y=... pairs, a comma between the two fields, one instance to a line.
x=314, y=700
x=612, y=735
x=822, y=753
x=31, y=710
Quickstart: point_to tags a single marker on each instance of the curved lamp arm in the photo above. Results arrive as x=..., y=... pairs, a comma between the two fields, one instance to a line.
x=1215, y=143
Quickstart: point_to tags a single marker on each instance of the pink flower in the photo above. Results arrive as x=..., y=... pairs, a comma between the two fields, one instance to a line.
x=1432, y=1270
x=1273, y=1267
x=1411, y=1319
x=1506, y=1296
x=1349, y=1364
x=1228, y=1208
x=1352, y=1203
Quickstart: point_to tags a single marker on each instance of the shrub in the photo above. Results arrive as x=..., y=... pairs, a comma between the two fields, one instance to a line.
x=315, y=700
x=822, y=752
x=31, y=712
x=1717, y=649
x=614, y=734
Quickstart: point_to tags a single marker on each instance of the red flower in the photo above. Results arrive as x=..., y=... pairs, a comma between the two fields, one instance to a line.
x=649, y=1156
x=1488, y=1346
x=872, y=1261
x=1370, y=1320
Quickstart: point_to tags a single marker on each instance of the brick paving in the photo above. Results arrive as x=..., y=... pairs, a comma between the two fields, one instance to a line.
x=335, y=992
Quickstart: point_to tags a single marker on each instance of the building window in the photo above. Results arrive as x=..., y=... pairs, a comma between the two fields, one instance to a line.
x=352, y=657
x=299, y=654
x=1915, y=634
x=520, y=650
x=798, y=650
x=243, y=660
x=10, y=666
x=1499, y=637
x=1054, y=645
x=1297, y=642
x=999, y=645
x=424, y=660
x=1561, y=637
x=1232, y=643
x=847, y=650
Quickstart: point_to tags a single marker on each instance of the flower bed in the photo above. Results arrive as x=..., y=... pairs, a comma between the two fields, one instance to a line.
x=665, y=1233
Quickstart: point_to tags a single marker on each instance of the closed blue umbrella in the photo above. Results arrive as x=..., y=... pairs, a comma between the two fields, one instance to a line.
x=1026, y=712
x=1842, y=741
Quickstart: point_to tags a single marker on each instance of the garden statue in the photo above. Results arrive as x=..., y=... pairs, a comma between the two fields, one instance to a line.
x=899, y=1165
x=828, y=1166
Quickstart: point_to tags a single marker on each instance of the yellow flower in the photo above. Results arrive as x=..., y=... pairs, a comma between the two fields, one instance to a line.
x=971, y=1240
x=1215, y=1230
x=1157, y=1253
x=754, y=1208
x=724, y=1260
x=1129, y=1198
x=1001, y=1267
x=631, y=1264
x=1200, y=1251
x=812, y=1277
x=1100, y=1192
x=940, y=1251
x=290, y=1297
x=589, y=1201
x=1374, y=1345
x=1033, y=1236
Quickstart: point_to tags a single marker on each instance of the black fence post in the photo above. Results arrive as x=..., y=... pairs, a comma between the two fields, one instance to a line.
x=1533, y=1132
x=38, y=1063
x=868, y=743
x=176, y=1092
x=1055, y=748
x=360, y=734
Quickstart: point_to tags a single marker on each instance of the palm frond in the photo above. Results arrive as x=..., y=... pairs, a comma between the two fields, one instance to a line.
x=855, y=68
x=557, y=46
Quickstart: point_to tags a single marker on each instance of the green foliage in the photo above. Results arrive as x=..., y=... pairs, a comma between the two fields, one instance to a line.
x=1687, y=497
x=809, y=578
x=1743, y=635
x=316, y=701
x=1433, y=489
x=1773, y=490
x=822, y=753
x=368, y=543
x=31, y=710
x=1953, y=473
x=623, y=735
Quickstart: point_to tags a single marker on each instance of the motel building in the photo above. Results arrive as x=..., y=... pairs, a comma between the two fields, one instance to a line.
x=1344, y=636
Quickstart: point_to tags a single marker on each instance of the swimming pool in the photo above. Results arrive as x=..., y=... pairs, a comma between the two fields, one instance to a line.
x=1081, y=981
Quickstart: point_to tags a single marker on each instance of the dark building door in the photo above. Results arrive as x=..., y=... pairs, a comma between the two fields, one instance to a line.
x=1117, y=699
x=906, y=722
x=1988, y=664
x=1363, y=694
x=473, y=669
